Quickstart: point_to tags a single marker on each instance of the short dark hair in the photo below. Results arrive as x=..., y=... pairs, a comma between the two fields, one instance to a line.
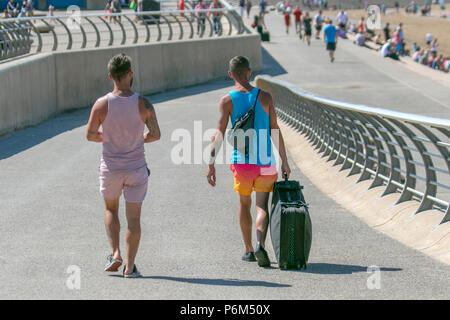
x=239, y=66
x=119, y=66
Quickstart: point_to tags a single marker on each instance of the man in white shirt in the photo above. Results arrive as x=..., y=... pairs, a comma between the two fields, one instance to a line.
x=429, y=38
x=342, y=18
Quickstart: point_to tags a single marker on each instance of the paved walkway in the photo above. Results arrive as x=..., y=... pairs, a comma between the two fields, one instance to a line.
x=358, y=75
x=52, y=217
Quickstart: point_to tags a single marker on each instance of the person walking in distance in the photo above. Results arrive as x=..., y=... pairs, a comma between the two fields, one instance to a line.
x=307, y=26
x=318, y=20
x=287, y=19
x=201, y=17
x=241, y=7
x=330, y=38
x=123, y=114
x=298, y=20
x=254, y=170
x=217, y=26
x=248, y=7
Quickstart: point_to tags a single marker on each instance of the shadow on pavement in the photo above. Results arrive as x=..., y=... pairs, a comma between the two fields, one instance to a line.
x=218, y=282
x=29, y=137
x=271, y=66
x=330, y=268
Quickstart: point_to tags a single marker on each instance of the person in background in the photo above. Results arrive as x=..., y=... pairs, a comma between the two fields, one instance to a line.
x=434, y=45
x=23, y=11
x=361, y=26
x=117, y=8
x=108, y=10
x=402, y=36
x=383, y=8
x=307, y=21
x=123, y=115
x=429, y=38
x=423, y=58
x=216, y=16
x=318, y=20
x=330, y=39
x=51, y=12
x=388, y=51
x=398, y=41
x=437, y=63
x=133, y=5
x=29, y=7
x=241, y=7
x=417, y=55
x=446, y=64
x=248, y=7
x=261, y=23
x=387, y=32
x=287, y=19
x=262, y=6
x=298, y=20
x=342, y=19
x=13, y=8
x=201, y=16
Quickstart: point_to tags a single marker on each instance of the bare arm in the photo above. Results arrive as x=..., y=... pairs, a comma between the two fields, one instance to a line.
x=225, y=107
x=150, y=120
x=274, y=126
x=95, y=120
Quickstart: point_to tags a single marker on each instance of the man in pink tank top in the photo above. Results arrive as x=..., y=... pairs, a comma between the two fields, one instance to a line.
x=123, y=115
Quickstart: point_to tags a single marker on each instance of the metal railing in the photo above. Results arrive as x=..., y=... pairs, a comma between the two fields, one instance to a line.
x=19, y=36
x=405, y=153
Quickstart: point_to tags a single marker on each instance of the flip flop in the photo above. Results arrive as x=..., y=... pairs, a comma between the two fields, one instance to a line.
x=112, y=264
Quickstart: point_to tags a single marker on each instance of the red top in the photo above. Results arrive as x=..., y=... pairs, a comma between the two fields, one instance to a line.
x=297, y=13
x=287, y=18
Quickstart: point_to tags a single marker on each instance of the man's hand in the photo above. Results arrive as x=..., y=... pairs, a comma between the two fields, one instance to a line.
x=211, y=175
x=285, y=169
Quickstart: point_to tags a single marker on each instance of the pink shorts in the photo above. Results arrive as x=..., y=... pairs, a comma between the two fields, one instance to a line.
x=251, y=177
x=132, y=182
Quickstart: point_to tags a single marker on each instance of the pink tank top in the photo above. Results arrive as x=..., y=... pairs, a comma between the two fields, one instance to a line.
x=123, y=129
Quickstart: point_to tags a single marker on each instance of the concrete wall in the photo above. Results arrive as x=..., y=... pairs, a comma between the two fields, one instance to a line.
x=35, y=88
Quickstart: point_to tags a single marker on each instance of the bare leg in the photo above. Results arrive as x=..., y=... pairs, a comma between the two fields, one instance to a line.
x=245, y=221
x=112, y=225
x=262, y=216
x=133, y=233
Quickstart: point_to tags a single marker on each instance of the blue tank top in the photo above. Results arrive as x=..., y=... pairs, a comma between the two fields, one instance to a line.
x=261, y=154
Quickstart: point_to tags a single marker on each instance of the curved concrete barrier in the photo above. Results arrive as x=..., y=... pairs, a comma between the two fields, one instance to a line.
x=37, y=87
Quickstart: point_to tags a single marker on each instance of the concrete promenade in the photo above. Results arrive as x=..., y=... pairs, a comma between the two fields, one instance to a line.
x=52, y=213
x=358, y=75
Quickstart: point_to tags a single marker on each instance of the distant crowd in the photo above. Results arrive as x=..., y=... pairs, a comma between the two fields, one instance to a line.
x=429, y=56
x=14, y=10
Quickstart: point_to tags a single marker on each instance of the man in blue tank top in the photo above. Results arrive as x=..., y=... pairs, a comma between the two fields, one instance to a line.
x=255, y=170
